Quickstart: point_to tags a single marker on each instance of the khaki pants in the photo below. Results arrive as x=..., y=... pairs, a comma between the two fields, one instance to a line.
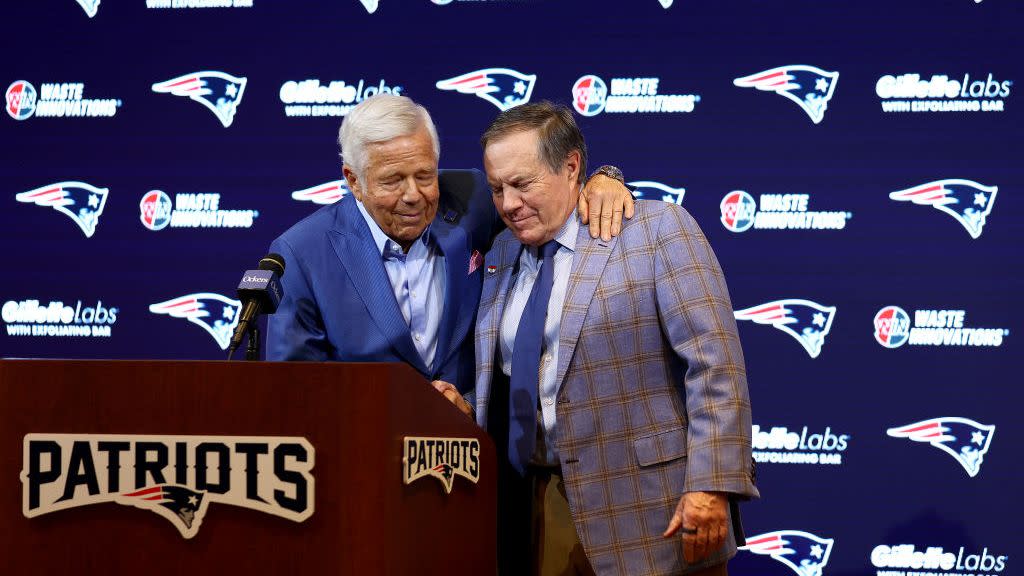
x=557, y=547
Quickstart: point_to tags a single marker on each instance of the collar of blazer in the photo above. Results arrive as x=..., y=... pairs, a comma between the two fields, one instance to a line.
x=358, y=255
x=588, y=265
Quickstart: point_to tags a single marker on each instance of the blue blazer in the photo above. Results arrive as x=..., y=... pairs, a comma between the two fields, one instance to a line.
x=338, y=302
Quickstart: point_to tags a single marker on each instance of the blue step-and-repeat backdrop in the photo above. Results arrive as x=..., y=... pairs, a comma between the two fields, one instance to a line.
x=857, y=166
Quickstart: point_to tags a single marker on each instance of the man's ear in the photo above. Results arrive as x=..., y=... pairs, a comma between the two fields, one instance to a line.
x=572, y=166
x=353, y=182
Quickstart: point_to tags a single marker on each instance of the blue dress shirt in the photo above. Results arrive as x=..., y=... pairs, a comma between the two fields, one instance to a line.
x=529, y=267
x=418, y=282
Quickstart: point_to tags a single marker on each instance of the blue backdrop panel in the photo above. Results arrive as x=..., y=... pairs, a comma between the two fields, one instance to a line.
x=856, y=166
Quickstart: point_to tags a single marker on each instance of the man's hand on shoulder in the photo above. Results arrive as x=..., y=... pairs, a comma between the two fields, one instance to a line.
x=703, y=519
x=603, y=203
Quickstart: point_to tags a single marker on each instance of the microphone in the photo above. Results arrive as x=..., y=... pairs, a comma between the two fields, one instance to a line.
x=261, y=292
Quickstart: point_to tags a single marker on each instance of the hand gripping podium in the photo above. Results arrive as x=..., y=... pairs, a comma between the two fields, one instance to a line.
x=157, y=467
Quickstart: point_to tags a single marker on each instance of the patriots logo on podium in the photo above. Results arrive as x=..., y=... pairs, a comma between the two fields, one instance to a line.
x=81, y=202
x=665, y=3
x=804, y=320
x=446, y=474
x=216, y=314
x=220, y=92
x=965, y=200
x=370, y=5
x=803, y=552
x=184, y=507
x=811, y=88
x=326, y=193
x=961, y=438
x=503, y=87
x=90, y=6
x=647, y=190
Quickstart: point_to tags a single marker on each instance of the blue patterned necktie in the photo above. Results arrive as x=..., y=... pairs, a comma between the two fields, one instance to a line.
x=524, y=382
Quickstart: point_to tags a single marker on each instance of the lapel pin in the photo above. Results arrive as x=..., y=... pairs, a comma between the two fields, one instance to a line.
x=492, y=269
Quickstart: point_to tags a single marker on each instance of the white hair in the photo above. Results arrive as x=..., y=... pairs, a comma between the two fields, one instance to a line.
x=378, y=119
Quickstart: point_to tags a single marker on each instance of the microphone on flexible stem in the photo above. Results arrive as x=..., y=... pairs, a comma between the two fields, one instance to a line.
x=260, y=291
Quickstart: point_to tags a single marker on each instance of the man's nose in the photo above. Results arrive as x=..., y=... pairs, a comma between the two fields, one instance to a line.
x=510, y=200
x=410, y=190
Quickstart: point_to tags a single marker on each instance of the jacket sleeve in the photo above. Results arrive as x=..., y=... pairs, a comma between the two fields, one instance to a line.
x=697, y=318
x=296, y=330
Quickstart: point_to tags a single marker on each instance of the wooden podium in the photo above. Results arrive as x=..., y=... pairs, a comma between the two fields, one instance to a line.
x=365, y=519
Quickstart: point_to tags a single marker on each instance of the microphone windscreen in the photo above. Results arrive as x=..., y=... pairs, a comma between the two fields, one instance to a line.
x=274, y=263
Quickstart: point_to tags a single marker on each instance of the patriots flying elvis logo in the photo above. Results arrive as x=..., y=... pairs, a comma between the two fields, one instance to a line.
x=805, y=553
x=811, y=88
x=648, y=190
x=965, y=200
x=220, y=92
x=81, y=202
x=503, y=87
x=184, y=507
x=804, y=320
x=90, y=6
x=326, y=193
x=216, y=314
x=961, y=438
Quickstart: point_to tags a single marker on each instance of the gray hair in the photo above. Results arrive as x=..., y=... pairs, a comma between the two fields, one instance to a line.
x=558, y=134
x=378, y=119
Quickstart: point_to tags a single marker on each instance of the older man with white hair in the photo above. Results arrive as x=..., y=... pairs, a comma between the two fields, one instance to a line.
x=392, y=272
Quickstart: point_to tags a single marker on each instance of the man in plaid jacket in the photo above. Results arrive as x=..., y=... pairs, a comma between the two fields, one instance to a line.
x=626, y=455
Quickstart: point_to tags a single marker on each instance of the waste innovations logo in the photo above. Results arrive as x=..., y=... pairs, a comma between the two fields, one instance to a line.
x=591, y=96
x=649, y=190
x=779, y=445
x=803, y=552
x=892, y=329
x=964, y=439
x=941, y=93
x=81, y=320
x=219, y=92
x=81, y=202
x=90, y=6
x=966, y=201
x=190, y=211
x=176, y=477
x=21, y=100
x=503, y=87
x=808, y=322
x=188, y=4
x=442, y=458
x=777, y=212
x=907, y=559
x=809, y=87
x=326, y=193
x=310, y=98
x=216, y=314
x=56, y=100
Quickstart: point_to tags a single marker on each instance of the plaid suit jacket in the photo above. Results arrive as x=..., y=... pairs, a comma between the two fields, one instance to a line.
x=653, y=395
